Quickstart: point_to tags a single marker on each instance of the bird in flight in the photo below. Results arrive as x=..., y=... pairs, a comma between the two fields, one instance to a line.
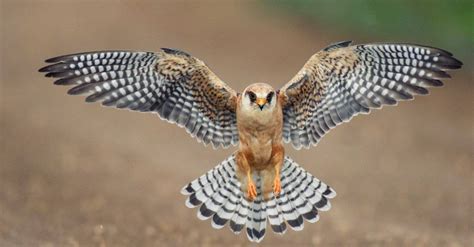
x=258, y=182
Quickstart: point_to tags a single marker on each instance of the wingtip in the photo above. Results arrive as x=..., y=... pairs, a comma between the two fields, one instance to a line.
x=62, y=81
x=54, y=59
x=44, y=69
x=454, y=63
x=336, y=45
x=49, y=60
x=175, y=51
x=443, y=62
x=57, y=82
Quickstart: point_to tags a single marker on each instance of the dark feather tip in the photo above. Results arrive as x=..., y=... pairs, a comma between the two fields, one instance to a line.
x=336, y=45
x=218, y=220
x=437, y=83
x=45, y=69
x=193, y=200
x=56, y=59
x=84, y=88
x=175, y=52
x=279, y=228
x=50, y=74
x=80, y=89
x=311, y=214
x=189, y=189
x=110, y=102
x=440, y=51
x=236, y=228
x=441, y=74
x=323, y=202
x=327, y=191
x=93, y=98
x=66, y=81
x=296, y=222
x=205, y=211
x=450, y=62
x=250, y=232
x=258, y=234
x=56, y=74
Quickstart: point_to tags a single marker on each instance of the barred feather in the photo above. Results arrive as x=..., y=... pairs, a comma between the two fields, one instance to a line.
x=342, y=81
x=219, y=198
x=179, y=87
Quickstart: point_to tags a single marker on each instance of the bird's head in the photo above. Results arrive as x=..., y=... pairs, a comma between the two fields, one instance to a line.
x=259, y=97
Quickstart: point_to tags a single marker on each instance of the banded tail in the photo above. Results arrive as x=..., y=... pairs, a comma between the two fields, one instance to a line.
x=219, y=196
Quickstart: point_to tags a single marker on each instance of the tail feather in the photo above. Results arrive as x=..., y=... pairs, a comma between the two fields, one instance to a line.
x=231, y=196
x=286, y=201
x=275, y=217
x=218, y=195
x=239, y=218
x=226, y=212
x=257, y=219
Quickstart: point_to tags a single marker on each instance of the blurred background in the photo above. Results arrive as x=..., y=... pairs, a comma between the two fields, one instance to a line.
x=77, y=174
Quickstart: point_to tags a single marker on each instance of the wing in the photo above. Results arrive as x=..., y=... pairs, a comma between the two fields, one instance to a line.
x=172, y=83
x=342, y=81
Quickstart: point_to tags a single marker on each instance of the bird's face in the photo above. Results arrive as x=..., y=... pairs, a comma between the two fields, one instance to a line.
x=259, y=97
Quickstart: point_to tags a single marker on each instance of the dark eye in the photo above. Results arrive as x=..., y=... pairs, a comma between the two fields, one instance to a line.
x=270, y=97
x=252, y=96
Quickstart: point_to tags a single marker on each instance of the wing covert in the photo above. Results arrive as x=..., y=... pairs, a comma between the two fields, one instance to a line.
x=172, y=83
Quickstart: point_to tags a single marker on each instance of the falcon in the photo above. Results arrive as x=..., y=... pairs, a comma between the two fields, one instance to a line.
x=258, y=182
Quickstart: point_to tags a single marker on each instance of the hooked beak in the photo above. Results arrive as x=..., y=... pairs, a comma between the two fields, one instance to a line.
x=261, y=103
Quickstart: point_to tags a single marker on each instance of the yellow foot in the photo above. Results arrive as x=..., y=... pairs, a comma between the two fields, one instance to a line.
x=251, y=191
x=276, y=186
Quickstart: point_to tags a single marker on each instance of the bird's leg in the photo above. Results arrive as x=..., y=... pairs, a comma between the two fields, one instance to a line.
x=251, y=188
x=277, y=182
x=271, y=174
x=278, y=154
x=244, y=170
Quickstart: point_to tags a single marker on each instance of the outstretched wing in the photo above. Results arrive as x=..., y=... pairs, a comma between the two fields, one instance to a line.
x=342, y=81
x=179, y=87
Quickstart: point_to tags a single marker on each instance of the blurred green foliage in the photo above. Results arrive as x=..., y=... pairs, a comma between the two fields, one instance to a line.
x=444, y=23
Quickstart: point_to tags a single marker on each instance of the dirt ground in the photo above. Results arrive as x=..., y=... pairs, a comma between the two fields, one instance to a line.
x=77, y=174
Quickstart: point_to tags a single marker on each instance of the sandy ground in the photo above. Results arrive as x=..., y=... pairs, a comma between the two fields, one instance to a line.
x=76, y=174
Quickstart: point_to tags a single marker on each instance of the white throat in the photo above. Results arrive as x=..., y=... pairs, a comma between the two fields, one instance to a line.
x=253, y=113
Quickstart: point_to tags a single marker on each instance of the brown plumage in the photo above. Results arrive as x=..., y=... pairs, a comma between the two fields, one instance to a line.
x=260, y=134
x=258, y=183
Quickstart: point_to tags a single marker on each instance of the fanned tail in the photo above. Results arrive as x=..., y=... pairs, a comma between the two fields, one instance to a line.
x=218, y=195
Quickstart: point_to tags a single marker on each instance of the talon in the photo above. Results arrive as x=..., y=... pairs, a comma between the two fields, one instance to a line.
x=276, y=186
x=251, y=191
